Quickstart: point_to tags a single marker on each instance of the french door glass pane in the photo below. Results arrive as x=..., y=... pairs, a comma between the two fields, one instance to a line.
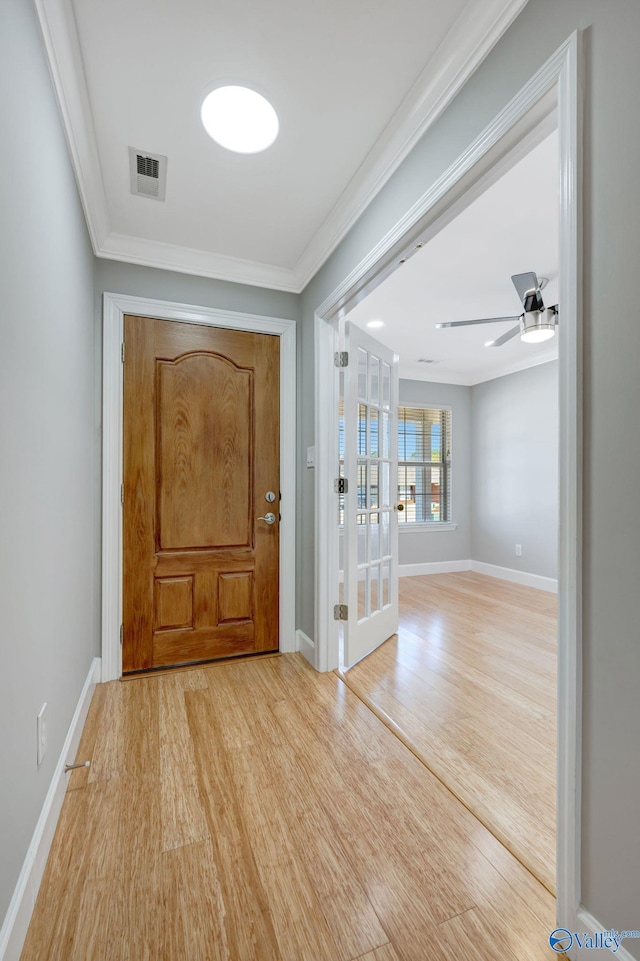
x=373, y=432
x=362, y=429
x=362, y=484
x=375, y=379
x=385, y=492
x=386, y=386
x=373, y=489
x=375, y=588
x=385, y=428
x=362, y=539
x=363, y=594
x=385, y=531
x=362, y=374
x=386, y=583
x=374, y=536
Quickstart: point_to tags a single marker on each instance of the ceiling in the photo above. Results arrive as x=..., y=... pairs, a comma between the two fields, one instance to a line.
x=465, y=271
x=354, y=85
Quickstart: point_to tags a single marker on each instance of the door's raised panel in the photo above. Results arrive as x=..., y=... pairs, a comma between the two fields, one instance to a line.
x=173, y=603
x=235, y=597
x=204, y=431
x=182, y=647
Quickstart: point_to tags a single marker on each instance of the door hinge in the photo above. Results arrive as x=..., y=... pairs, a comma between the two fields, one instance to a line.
x=121, y=634
x=122, y=493
x=341, y=485
x=122, y=352
x=340, y=612
x=341, y=358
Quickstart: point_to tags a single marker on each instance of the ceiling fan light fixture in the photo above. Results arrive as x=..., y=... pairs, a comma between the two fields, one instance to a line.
x=239, y=119
x=538, y=325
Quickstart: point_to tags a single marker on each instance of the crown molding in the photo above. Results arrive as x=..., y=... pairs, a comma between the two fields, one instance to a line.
x=203, y=263
x=467, y=43
x=462, y=50
x=60, y=36
x=408, y=372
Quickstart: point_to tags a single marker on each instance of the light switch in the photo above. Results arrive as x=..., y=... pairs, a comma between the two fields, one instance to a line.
x=311, y=457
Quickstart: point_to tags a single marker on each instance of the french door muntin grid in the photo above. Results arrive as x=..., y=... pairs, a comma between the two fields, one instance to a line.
x=374, y=490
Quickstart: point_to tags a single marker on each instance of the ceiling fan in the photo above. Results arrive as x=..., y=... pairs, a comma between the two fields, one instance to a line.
x=536, y=324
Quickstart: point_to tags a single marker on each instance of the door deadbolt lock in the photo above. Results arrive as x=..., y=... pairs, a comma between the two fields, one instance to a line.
x=268, y=518
x=270, y=497
x=398, y=507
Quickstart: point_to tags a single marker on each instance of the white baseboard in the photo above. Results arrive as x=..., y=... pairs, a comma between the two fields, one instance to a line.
x=586, y=922
x=516, y=577
x=307, y=648
x=433, y=567
x=16, y=922
x=549, y=584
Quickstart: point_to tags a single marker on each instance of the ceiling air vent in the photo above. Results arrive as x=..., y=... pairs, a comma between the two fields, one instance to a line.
x=427, y=360
x=148, y=174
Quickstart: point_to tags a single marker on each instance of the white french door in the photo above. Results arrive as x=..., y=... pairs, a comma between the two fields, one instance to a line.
x=370, y=517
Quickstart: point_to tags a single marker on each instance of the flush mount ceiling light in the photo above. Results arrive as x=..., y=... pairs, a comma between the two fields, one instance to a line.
x=538, y=326
x=239, y=119
x=375, y=323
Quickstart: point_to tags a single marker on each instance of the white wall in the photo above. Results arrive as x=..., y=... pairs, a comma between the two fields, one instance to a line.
x=418, y=547
x=514, y=470
x=611, y=521
x=49, y=440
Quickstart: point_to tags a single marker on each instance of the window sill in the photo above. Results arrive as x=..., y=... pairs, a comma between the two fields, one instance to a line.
x=423, y=528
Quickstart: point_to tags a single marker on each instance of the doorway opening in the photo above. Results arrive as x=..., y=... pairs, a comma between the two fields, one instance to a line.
x=470, y=676
x=513, y=134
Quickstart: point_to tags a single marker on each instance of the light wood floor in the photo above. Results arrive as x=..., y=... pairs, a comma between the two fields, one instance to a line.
x=258, y=811
x=470, y=680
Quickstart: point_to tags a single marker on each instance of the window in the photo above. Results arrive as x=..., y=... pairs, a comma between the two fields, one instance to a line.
x=424, y=465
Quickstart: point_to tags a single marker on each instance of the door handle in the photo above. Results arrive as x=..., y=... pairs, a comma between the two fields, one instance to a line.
x=268, y=518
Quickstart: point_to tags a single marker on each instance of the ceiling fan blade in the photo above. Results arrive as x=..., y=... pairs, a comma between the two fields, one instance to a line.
x=505, y=337
x=528, y=289
x=469, y=323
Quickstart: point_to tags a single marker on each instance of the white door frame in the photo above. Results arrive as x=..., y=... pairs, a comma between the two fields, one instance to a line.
x=115, y=307
x=557, y=86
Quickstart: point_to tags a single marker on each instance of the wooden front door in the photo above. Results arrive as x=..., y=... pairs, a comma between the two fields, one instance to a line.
x=201, y=453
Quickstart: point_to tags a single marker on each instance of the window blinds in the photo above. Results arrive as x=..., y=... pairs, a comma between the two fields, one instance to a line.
x=424, y=465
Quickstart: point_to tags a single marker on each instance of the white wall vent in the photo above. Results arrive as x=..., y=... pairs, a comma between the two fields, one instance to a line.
x=148, y=174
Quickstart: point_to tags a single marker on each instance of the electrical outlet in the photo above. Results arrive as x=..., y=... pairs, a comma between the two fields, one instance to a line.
x=43, y=737
x=518, y=550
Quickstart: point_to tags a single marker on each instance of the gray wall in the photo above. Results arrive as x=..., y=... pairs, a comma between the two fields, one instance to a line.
x=48, y=437
x=514, y=473
x=611, y=728
x=121, y=278
x=421, y=547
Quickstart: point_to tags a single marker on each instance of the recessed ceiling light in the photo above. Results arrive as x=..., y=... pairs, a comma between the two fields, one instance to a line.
x=239, y=119
x=375, y=323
